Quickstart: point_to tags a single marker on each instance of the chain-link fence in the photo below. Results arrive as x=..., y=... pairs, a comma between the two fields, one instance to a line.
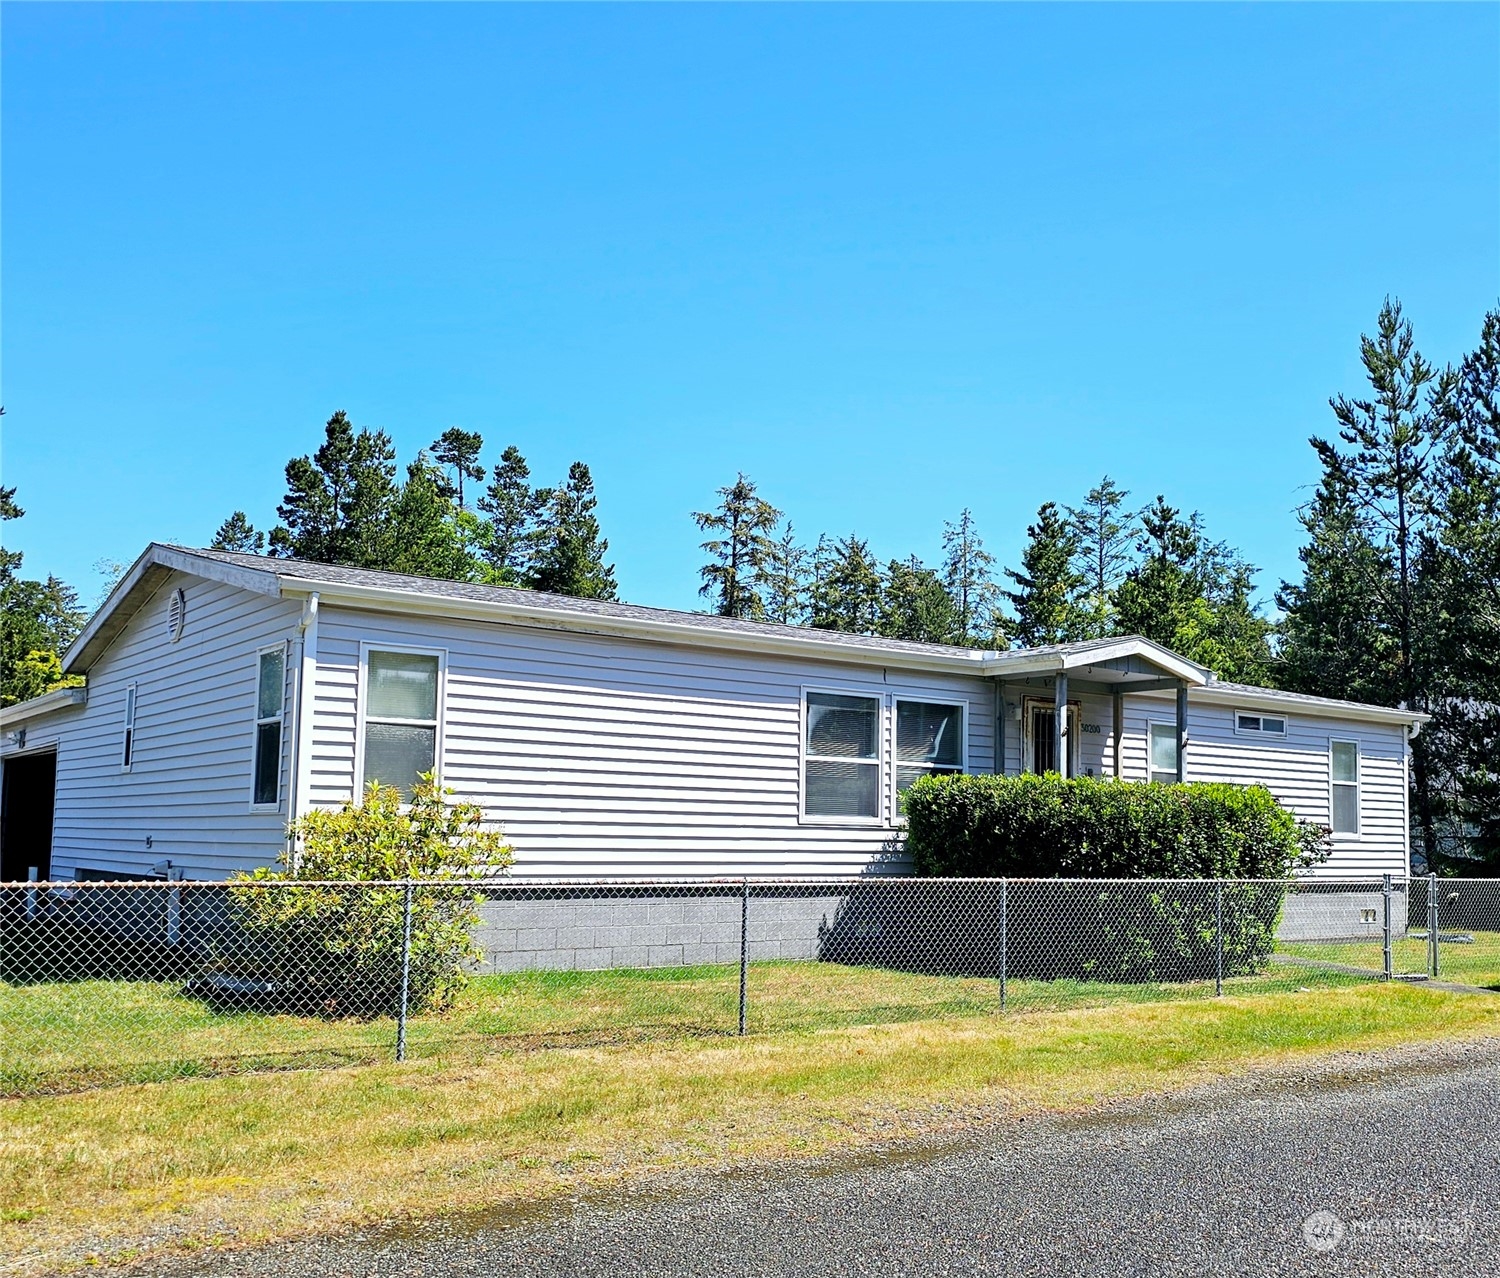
x=102, y=983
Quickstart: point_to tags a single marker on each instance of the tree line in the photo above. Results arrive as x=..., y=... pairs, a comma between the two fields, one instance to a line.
x=1397, y=601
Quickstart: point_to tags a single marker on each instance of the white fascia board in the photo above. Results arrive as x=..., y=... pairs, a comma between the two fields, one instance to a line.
x=798, y=643
x=1053, y=662
x=58, y=699
x=153, y=560
x=1293, y=703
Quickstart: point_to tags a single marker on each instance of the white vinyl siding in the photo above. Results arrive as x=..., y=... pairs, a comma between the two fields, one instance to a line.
x=612, y=757
x=193, y=748
x=1296, y=768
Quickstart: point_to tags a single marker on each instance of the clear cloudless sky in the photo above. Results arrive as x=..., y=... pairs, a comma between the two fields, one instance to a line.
x=889, y=261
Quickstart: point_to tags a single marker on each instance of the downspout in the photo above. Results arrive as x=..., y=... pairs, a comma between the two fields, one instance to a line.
x=307, y=666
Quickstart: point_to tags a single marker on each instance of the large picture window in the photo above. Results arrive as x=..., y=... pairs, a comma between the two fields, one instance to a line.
x=841, y=757
x=1344, y=763
x=929, y=741
x=270, y=696
x=401, y=718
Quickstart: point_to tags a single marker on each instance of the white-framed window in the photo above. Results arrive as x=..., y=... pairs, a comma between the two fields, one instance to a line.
x=401, y=700
x=1164, y=746
x=1038, y=745
x=1343, y=771
x=127, y=743
x=270, y=705
x=841, y=756
x=1260, y=725
x=930, y=740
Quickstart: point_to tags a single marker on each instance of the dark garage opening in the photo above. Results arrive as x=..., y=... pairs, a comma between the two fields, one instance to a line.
x=27, y=793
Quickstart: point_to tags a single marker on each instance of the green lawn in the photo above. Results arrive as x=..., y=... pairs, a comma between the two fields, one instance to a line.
x=73, y=1036
x=1476, y=963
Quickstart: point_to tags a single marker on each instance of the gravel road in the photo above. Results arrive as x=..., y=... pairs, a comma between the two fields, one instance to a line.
x=1366, y=1164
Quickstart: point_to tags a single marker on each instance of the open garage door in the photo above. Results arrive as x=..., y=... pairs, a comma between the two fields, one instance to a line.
x=28, y=791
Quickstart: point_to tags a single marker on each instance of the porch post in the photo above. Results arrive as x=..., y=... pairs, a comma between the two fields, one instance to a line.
x=1182, y=737
x=1060, y=742
x=1119, y=728
x=999, y=768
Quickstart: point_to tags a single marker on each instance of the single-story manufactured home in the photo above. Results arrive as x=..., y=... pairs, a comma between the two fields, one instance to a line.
x=228, y=693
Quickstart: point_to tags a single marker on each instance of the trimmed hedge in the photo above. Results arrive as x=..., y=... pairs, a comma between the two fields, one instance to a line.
x=1087, y=828
x=1044, y=828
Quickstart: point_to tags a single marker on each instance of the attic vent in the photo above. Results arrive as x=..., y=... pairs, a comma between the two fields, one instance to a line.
x=176, y=615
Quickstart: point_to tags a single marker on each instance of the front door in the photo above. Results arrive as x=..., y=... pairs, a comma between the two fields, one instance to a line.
x=28, y=790
x=1039, y=749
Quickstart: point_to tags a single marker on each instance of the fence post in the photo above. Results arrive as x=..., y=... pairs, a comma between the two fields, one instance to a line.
x=1389, y=961
x=744, y=948
x=1004, y=921
x=405, y=972
x=1432, y=924
x=33, y=874
x=1218, y=937
x=174, y=907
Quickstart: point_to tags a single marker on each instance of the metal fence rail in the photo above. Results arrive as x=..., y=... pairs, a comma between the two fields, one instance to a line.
x=111, y=982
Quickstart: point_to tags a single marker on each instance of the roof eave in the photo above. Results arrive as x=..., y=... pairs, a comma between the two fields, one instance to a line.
x=1282, y=702
x=795, y=643
x=47, y=703
x=142, y=580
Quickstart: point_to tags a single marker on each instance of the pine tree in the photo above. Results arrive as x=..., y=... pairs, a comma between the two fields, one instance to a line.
x=458, y=452
x=1390, y=445
x=915, y=605
x=1047, y=604
x=425, y=539
x=783, y=583
x=1333, y=642
x=570, y=553
x=338, y=501
x=968, y=574
x=737, y=559
x=1105, y=534
x=237, y=533
x=514, y=509
x=846, y=592
x=38, y=620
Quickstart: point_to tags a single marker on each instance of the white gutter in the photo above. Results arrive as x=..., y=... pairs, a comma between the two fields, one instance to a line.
x=1288, y=702
x=307, y=675
x=57, y=699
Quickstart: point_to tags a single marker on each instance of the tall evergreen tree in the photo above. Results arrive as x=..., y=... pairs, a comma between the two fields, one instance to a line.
x=738, y=558
x=1047, y=603
x=1333, y=642
x=968, y=573
x=846, y=590
x=514, y=510
x=457, y=451
x=1104, y=533
x=1389, y=446
x=1195, y=597
x=570, y=551
x=338, y=501
x=426, y=539
x=783, y=584
x=915, y=604
x=237, y=533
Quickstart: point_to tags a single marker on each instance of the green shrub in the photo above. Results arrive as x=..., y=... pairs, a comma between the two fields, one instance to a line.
x=1133, y=928
x=326, y=934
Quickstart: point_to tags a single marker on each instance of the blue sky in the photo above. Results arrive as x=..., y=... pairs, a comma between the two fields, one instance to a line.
x=889, y=261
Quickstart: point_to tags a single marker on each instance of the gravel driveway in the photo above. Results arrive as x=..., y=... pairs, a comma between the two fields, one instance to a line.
x=1370, y=1164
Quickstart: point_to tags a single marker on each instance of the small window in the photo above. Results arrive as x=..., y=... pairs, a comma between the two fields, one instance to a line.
x=1263, y=725
x=929, y=741
x=127, y=753
x=1344, y=766
x=1164, y=753
x=841, y=757
x=270, y=697
x=401, y=718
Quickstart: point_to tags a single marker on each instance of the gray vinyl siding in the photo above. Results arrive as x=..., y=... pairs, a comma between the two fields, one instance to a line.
x=189, y=784
x=610, y=757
